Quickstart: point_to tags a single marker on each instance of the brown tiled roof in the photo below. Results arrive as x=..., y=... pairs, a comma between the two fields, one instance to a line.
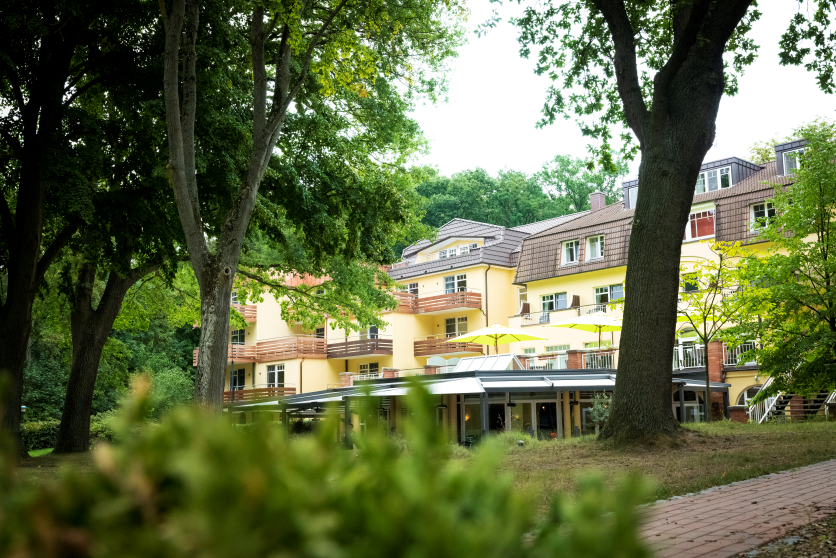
x=540, y=254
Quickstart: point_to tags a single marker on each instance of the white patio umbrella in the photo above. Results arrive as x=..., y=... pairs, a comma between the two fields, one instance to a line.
x=495, y=335
x=594, y=322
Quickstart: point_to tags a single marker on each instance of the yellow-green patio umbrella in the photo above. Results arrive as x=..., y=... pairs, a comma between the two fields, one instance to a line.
x=595, y=322
x=495, y=335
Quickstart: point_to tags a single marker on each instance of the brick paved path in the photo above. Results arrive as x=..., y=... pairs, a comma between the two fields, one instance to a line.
x=727, y=520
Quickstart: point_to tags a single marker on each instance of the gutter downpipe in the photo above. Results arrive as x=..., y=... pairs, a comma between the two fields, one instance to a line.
x=485, y=311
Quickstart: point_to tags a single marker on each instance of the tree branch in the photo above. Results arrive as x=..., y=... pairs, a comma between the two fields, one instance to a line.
x=626, y=72
x=55, y=248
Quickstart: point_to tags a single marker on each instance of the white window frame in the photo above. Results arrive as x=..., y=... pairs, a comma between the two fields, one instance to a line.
x=317, y=333
x=556, y=348
x=371, y=332
x=458, y=281
x=459, y=326
x=608, y=291
x=598, y=242
x=787, y=159
x=529, y=351
x=369, y=368
x=754, y=226
x=412, y=288
x=237, y=336
x=632, y=197
x=522, y=295
x=467, y=248
x=275, y=369
x=233, y=298
x=575, y=246
x=705, y=177
x=688, y=237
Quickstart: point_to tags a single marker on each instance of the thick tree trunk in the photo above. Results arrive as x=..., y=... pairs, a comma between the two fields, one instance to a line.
x=90, y=329
x=215, y=293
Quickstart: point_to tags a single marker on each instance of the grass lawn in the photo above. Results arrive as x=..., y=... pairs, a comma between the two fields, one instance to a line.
x=40, y=452
x=711, y=454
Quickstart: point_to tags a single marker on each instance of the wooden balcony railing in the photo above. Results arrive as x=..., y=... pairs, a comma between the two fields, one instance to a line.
x=433, y=303
x=258, y=392
x=235, y=353
x=248, y=311
x=438, y=345
x=297, y=346
x=282, y=348
x=355, y=347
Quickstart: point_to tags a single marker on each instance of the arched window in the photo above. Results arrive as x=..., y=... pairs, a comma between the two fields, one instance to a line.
x=748, y=394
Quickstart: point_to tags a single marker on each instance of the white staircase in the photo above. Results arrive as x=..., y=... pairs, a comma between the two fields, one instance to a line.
x=777, y=406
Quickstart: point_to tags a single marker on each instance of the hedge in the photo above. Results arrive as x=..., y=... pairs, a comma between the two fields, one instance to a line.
x=43, y=434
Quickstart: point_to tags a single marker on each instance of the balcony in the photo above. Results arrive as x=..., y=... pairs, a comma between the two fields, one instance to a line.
x=357, y=347
x=535, y=318
x=731, y=357
x=282, y=348
x=235, y=353
x=258, y=392
x=438, y=345
x=556, y=362
x=440, y=302
x=598, y=360
x=294, y=346
x=247, y=311
x=688, y=356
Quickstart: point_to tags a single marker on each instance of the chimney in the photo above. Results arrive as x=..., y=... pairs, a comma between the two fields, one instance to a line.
x=597, y=200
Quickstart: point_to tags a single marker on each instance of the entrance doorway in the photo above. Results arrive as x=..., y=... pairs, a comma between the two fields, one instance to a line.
x=496, y=417
x=546, y=421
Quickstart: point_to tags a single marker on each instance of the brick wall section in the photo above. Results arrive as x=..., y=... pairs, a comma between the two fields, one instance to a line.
x=796, y=407
x=597, y=200
x=389, y=373
x=345, y=379
x=715, y=361
x=574, y=360
x=739, y=413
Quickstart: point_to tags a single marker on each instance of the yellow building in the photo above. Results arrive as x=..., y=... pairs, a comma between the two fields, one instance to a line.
x=528, y=277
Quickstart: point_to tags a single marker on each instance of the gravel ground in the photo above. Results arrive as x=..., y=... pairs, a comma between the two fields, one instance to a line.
x=816, y=540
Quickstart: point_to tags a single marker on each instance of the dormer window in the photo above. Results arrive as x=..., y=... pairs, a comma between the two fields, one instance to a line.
x=570, y=252
x=710, y=181
x=791, y=160
x=761, y=215
x=466, y=248
x=700, y=225
x=595, y=247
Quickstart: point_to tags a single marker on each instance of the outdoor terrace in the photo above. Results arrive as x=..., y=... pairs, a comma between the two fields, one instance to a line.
x=280, y=348
x=437, y=345
x=439, y=302
x=257, y=392
x=248, y=311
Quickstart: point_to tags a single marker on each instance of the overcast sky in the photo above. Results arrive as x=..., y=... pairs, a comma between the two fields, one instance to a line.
x=495, y=99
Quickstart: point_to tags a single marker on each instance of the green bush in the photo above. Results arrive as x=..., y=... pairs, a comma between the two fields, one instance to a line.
x=195, y=485
x=40, y=434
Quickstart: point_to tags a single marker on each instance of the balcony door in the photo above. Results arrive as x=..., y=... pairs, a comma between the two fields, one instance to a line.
x=453, y=327
x=236, y=337
x=369, y=333
x=236, y=379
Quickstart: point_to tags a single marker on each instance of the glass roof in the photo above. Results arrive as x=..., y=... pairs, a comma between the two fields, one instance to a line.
x=489, y=363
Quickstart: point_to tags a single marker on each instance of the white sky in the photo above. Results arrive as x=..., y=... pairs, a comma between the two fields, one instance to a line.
x=495, y=99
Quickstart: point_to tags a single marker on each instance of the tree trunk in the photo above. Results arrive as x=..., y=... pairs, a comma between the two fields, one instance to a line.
x=707, y=384
x=210, y=376
x=90, y=329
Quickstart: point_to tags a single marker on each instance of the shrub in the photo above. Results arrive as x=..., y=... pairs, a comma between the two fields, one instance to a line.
x=194, y=485
x=40, y=434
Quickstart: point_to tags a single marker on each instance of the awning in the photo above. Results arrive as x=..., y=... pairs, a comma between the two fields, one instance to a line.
x=443, y=387
x=547, y=384
x=700, y=386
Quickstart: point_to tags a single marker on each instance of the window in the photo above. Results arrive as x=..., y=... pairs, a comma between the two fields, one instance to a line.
x=234, y=297
x=633, y=196
x=412, y=288
x=275, y=375
x=762, y=213
x=712, y=180
x=442, y=254
x=236, y=337
x=570, y=252
x=690, y=284
x=594, y=344
x=453, y=327
x=700, y=225
x=791, y=160
x=466, y=248
x=522, y=294
x=549, y=303
x=370, y=368
x=556, y=348
x=320, y=333
x=236, y=379
x=369, y=333
x=595, y=247
x=748, y=394
x=320, y=292
x=529, y=351
x=603, y=295
x=455, y=283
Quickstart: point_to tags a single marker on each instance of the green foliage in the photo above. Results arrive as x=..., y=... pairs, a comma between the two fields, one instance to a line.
x=600, y=412
x=763, y=152
x=513, y=198
x=575, y=49
x=197, y=486
x=40, y=434
x=809, y=41
x=791, y=293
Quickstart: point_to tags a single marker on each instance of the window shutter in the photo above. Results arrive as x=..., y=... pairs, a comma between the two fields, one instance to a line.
x=525, y=308
x=576, y=301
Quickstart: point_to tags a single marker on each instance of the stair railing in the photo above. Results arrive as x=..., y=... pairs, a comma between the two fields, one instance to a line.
x=760, y=412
